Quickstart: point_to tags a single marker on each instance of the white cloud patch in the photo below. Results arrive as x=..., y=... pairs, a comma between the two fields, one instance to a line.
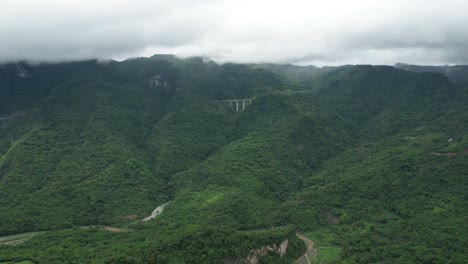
x=295, y=31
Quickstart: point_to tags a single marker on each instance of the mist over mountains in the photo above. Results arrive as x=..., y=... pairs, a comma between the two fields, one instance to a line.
x=368, y=162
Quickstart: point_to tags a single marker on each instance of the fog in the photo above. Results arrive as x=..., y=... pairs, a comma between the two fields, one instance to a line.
x=329, y=32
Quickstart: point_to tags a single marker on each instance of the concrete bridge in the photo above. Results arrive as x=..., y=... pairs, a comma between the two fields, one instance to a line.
x=4, y=119
x=238, y=104
x=15, y=114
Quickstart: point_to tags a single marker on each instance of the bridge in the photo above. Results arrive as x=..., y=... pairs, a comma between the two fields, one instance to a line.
x=239, y=104
x=4, y=119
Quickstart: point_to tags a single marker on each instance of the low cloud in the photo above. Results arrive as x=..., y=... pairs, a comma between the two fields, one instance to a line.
x=302, y=32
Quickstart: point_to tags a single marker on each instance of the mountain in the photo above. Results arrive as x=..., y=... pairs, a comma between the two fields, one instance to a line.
x=457, y=73
x=368, y=162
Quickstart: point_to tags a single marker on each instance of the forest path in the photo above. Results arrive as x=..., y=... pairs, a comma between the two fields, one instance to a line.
x=22, y=237
x=17, y=238
x=311, y=251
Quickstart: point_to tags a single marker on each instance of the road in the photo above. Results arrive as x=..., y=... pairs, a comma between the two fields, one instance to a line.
x=311, y=251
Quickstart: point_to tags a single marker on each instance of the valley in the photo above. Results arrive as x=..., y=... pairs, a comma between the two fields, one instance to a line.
x=169, y=160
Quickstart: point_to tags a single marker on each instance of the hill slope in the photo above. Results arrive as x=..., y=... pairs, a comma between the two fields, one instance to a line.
x=369, y=162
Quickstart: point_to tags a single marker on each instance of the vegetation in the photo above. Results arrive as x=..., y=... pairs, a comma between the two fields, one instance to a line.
x=369, y=162
x=456, y=73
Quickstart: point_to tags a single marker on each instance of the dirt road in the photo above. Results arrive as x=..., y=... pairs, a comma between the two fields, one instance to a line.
x=311, y=251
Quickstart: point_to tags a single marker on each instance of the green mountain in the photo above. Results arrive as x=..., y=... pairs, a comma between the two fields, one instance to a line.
x=456, y=73
x=368, y=162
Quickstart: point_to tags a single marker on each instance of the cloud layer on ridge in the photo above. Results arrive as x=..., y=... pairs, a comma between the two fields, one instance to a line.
x=297, y=31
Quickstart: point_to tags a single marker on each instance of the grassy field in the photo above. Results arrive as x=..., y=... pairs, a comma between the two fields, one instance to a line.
x=325, y=242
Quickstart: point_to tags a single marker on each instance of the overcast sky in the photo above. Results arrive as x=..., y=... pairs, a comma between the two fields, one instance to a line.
x=327, y=32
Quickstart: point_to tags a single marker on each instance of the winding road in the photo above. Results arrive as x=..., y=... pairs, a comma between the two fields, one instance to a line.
x=311, y=251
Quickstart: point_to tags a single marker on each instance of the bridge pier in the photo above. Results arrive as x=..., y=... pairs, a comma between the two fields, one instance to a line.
x=236, y=103
x=4, y=119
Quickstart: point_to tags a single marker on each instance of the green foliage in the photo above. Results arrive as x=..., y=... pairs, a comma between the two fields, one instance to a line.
x=456, y=73
x=369, y=161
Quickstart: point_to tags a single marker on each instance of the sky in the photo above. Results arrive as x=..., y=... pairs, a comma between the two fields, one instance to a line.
x=303, y=32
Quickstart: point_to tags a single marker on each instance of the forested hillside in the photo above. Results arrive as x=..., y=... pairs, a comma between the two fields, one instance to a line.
x=369, y=162
x=455, y=73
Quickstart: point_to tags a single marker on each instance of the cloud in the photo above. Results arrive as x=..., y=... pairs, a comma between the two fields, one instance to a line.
x=295, y=31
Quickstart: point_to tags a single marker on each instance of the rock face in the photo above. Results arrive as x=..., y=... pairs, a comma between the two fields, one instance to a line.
x=162, y=85
x=280, y=250
x=21, y=72
x=157, y=80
